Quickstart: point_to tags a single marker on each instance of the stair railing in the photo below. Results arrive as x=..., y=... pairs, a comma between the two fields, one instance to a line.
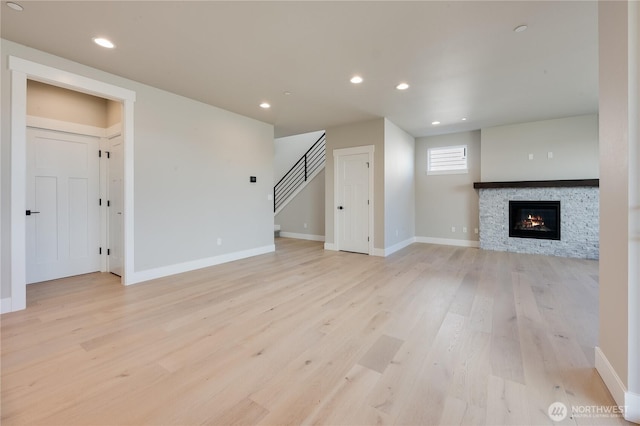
x=304, y=168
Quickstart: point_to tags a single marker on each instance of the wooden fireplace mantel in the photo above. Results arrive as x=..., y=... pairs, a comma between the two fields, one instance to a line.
x=538, y=184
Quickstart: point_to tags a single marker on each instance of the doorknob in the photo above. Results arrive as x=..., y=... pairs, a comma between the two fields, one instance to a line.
x=340, y=208
x=29, y=212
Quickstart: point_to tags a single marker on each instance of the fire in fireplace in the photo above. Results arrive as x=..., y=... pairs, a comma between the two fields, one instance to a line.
x=534, y=219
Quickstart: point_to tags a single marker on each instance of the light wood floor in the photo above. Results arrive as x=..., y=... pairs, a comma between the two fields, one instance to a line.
x=430, y=335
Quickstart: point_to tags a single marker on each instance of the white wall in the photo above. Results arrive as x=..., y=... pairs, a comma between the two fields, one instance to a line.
x=447, y=200
x=289, y=149
x=617, y=358
x=351, y=135
x=192, y=169
x=192, y=165
x=573, y=142
x=614, y=167
x=399, y=185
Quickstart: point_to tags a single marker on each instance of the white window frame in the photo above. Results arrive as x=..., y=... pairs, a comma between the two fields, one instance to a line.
x=450, y=171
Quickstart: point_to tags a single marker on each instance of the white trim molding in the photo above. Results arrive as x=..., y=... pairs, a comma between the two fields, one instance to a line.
x=113, y=131
x=394, y=248
x=610, y=377
x=632, y=407
x=448, y=242
x=21, y=70
x=64, y=126
x=629, y=400
x=299, y=236
x=330, y=246
x=5, y=305
x=165, y=271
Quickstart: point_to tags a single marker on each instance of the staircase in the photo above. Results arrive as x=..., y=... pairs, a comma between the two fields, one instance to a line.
x=310, y=164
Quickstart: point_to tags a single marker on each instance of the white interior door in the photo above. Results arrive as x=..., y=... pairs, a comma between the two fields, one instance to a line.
x=353, y=203
x=62, y=224
x=115, y=208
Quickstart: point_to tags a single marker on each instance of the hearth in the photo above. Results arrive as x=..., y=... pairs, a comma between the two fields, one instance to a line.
x=534, y=219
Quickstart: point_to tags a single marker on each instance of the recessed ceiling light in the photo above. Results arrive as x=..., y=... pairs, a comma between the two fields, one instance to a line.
x=520, y=28
x=287, y=93
x=356, y=79
x=265, y=105
x=402, y=86
x=15, y=6
x=464, y=118
x=435, y=123
x=100, y=41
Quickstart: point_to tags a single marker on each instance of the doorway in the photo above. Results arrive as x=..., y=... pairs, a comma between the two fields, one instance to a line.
x=21, y=70
x=353, y=177
x=74, y=183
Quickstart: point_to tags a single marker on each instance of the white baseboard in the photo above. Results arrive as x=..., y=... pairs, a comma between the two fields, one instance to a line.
x=5, y=305
x=378, y=251
x=448, y=242
x=302, y=236
x=179, y=268
x=632, y=407
x=428, y=240
x=394, y=248
x=610, y=377
x=330, y=246
x=629, y=400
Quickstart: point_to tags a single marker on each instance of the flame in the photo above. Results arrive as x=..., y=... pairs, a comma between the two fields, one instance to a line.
x=532, y=221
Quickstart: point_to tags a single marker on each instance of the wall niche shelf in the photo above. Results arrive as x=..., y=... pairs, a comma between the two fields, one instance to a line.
x=539, y=184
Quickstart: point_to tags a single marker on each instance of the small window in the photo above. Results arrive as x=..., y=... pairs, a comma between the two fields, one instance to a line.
x=447, y=160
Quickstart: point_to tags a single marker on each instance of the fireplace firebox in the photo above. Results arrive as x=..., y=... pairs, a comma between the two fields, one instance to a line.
x=534, y=219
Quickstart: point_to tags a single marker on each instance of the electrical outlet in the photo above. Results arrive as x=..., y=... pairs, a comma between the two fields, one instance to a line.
x=475, y=230
x=464, y=229
x=397, y=233
x=549, y=155
x=530, y=156
x=305, y=226
x=219, y=241
x=270, y=197
x=453, y=229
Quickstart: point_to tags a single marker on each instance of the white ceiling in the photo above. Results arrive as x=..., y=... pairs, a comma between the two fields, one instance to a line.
x=462, y=59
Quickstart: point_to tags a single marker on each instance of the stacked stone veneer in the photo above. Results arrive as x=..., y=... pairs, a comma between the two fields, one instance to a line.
x=579, y=217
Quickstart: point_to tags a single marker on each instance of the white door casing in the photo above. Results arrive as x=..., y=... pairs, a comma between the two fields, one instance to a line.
x=21, y=70
x=62, y=228
x=353, y=195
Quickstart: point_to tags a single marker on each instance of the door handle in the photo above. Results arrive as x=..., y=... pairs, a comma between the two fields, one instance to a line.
x=29, y=212
x=340, y=208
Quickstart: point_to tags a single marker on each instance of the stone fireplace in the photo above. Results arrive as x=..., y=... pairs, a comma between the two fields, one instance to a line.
x=558, y=218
